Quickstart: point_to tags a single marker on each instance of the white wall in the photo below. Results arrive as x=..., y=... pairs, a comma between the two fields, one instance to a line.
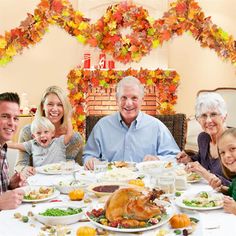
x=49, y=61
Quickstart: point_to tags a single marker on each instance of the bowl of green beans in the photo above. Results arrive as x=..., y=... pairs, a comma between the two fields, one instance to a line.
x=58, y=214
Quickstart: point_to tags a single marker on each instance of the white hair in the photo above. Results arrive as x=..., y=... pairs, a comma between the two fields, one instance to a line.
x=41, y=122
x=210, y=101
x=129, y=81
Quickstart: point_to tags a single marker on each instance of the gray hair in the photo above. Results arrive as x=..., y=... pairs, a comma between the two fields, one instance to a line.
x=210, y=101
x=41, y=122
x=129, y=81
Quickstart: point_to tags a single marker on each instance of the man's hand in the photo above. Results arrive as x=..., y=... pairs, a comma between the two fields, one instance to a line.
x=11, y=199
x=28, y=171
x=182, y=157
x=89, y=165
x=150, y=158
x=17, y=180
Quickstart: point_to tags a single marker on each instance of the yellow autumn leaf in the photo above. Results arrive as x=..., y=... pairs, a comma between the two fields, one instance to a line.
x=164, y=105
x=11, y=51
x=155, y=43
x=151, y=20
x=3, y=43
x=112, y=25
x=83, y=25
x=81, y=38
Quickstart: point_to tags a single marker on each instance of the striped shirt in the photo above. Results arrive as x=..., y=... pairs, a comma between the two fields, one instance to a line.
x=4, y=169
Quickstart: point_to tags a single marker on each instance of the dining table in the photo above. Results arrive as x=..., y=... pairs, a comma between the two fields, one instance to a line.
x=213, y=222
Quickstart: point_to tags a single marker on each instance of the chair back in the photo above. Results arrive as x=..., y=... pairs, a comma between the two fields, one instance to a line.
x=176, y=123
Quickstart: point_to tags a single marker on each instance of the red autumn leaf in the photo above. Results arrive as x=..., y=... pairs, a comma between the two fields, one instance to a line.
x=93, y=42
x=165, y=35
x=95, y=81
x=57, y=6
x=172, y=88
x=181, y=8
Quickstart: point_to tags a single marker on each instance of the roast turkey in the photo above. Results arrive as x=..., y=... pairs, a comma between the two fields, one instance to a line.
x=130, y=203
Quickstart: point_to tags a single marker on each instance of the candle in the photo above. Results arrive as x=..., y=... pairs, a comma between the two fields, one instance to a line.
x=87, y=60
x=102, y=61
x=111, y=64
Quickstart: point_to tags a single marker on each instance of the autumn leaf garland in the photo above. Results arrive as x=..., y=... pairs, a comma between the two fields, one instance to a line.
x=147, y=33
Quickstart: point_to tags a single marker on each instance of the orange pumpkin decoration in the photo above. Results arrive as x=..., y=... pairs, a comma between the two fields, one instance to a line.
x=180, y=221
x=86, y=231
x=76, y=195
x=137, y=182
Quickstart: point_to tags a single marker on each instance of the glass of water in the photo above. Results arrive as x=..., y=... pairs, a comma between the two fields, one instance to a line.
x=167, y=183
x=100, y=166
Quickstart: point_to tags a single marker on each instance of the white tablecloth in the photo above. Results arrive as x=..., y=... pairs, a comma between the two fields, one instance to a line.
x=214, y=222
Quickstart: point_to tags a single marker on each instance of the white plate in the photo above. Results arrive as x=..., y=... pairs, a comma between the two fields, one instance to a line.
x=169, y=211
x=179, y=202
x=56, y=169
x=194, y=180
x=56, y=220
x=155, y=166
x=55, y=194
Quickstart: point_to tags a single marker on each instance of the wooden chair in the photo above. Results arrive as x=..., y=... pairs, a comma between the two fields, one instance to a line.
x=176, y=123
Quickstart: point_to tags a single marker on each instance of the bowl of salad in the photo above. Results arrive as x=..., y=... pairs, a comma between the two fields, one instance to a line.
x=58, y=214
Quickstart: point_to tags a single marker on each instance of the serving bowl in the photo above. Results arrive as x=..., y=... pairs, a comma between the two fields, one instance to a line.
x=105, y=188
x=65, y=186
x=57, y=220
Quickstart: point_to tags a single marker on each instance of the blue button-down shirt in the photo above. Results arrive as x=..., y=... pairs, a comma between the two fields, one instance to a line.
x=112, y=140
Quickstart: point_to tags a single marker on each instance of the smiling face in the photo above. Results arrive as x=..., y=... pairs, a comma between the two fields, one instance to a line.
x=9, y=119
x=43, y=136
x=129, y=102
x=227, y=151
x=53, y=108
x=212, y=122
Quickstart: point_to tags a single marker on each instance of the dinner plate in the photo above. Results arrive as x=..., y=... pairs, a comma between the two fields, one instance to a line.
x=216, y=196
x=197, y=179
x=165, y=219
x=56, y=169
x=155, y=166
x=55, y=194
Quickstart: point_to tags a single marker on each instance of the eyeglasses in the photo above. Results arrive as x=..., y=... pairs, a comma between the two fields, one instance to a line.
x=212, y=116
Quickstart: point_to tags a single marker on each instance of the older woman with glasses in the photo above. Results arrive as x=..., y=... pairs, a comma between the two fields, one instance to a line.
x=211, y=114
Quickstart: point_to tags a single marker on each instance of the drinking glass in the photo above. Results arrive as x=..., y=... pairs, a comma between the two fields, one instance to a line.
x=167, y=183
x=100, y=166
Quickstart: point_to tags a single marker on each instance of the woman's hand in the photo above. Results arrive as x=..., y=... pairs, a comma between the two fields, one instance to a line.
x=150, y=158
x=229, y=205
x=199, y=169
x=215, y=183
x=182, y=157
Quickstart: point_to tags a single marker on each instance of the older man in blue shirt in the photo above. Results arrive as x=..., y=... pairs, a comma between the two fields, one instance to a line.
x=129, y=135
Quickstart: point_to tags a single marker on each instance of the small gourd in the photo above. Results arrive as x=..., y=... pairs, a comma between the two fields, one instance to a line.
x=180, y=221
x=137, y=182
x=86, y=231
x=76, y=195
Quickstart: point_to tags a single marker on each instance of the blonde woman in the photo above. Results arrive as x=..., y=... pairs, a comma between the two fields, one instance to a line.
x=56, y=107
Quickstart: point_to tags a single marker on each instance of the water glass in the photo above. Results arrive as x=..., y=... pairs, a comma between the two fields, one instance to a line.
x=167, y=183
x=100, y=166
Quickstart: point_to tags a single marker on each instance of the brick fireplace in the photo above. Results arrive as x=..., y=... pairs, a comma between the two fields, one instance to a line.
x=100, y=101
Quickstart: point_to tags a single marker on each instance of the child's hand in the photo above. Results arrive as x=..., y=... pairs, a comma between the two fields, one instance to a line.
x=229, y=205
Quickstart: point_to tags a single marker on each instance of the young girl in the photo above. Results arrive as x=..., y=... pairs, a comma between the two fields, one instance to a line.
x=227, y=152
x=43, y=147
